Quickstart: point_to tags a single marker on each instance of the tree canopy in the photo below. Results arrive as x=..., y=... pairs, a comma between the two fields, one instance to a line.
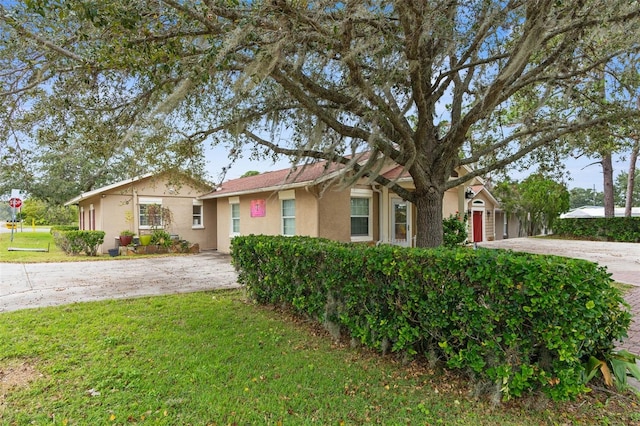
x=621, y=189
x=582, y=197
x=536, y=201
x=430, y=85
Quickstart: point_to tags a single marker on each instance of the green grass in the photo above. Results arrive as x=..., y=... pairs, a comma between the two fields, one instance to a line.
x=30, y=239
x=213, y=358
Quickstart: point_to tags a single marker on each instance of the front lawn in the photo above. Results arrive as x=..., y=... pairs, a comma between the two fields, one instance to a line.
x=214, y=358
x=38, y=240
x=29, y=240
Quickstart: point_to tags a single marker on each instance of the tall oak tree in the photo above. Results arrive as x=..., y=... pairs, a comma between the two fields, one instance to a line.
x=427, y=85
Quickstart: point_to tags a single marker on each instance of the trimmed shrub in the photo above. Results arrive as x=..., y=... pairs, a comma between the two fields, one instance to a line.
x=59, y=228
x=519, y=321
x=454, y=230
x=621, y=229
x=76, y=242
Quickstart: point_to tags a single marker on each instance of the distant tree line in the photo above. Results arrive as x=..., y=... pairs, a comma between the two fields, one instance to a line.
x=580, y=197
x=40, y=212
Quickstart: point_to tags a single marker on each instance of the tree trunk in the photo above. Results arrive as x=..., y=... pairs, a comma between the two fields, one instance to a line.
x=429, y=218
x=607, y=172
x=631, y=179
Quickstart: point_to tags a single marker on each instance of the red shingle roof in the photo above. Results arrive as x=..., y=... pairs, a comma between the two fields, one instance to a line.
x=477, y=188
x=397, y=172
x=276, y=180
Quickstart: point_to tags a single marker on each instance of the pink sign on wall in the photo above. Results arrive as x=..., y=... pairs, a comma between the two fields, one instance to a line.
x=258, y=208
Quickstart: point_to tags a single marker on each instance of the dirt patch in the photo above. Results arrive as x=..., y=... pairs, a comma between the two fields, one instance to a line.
x=15, y=374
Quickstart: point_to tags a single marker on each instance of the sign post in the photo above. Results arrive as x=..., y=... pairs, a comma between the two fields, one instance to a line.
x=15, y=202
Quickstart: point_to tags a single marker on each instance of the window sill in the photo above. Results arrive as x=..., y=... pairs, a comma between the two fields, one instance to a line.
x=197, y=227
x=363, y=239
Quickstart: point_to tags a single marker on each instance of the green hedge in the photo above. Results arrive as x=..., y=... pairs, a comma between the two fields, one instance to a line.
x=63, y=228
x=76, y=242
x=521, y=322
x=622, y=229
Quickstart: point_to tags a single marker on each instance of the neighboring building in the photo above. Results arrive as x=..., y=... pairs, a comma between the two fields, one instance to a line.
x=311, y=201
x=124, y=205
x=485, y=217
x=593, y=211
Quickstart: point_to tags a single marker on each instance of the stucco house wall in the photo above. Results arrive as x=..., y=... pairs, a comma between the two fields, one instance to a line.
x=116, y=207
x=318, y=213
x=334, y=215
x=450, y=203
x=323, y=209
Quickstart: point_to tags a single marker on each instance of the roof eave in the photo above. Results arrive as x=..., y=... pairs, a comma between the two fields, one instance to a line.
x=98, y=191
x=272, y=188
x=275, y=188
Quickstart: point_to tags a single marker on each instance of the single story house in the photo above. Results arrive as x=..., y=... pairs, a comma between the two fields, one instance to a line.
x=311, y=201
x=125, y=205
x=307, y=201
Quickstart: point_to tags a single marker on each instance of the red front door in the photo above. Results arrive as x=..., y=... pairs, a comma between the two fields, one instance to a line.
x=477, y=226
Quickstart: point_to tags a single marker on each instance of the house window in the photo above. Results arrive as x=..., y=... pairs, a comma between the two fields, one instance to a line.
x=288, y=211
x=359, y=217
x=150, y=213
x=289, y=217
x=235, y=218
x=197, y=214
x=361, y=223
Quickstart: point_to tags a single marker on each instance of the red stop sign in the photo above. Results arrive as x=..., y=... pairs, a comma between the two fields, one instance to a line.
x=15, y=202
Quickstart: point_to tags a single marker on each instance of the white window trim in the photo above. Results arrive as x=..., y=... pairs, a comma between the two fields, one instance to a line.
x=363, y=193
x=231, y=231
x=282, y=217
x=287, y=195
x=201, y=226
x=146, y=201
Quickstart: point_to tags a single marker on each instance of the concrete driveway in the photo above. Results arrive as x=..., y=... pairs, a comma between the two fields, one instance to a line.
x=32, y=285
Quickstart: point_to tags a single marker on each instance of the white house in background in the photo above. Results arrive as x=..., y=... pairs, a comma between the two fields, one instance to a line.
x=594, y=211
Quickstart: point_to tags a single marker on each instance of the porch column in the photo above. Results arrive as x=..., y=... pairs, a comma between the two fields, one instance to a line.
x=384, y=215
x=136, y=216
x=462, y=201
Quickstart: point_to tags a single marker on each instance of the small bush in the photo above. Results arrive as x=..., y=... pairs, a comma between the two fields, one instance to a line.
x=76, y=242
x=161, y=238
x=454, y=230
x=520, y=321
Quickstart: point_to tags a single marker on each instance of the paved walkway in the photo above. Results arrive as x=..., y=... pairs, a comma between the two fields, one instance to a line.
x=621, y=259
x=632, y=343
